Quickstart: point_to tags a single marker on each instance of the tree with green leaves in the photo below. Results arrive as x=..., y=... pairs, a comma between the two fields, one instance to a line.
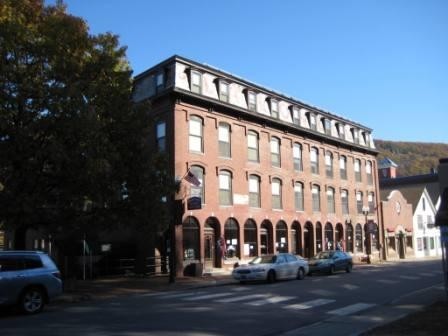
x=74, y=149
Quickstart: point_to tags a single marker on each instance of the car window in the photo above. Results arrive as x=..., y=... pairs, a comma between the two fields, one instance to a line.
x=10, y=263
x=280, y=259
x=32, y=261
x=290, y=258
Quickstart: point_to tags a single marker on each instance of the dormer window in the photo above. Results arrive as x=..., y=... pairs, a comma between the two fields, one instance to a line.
x=340, y=129
x=251, y=101
x=224, y=91
x=196, y=82
x=159, y=81
x=326, y=123
x=274, y=108
x=311, y=121
x=295, y=115
x=355, y=135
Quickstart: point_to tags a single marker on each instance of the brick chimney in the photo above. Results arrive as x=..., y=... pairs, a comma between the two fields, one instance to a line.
x=387, y=169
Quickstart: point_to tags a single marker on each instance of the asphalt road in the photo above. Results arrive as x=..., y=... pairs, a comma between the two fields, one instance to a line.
x=345, y=303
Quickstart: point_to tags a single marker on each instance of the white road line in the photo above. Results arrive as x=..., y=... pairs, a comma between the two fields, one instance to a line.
x=206, y=297
x=309, y=304
x=351, y=309
x=350, y=287
x=409, y=277
x=274, y=299
x=241, y=298
x=387, y=281
x=179, y=295
x=427, y=274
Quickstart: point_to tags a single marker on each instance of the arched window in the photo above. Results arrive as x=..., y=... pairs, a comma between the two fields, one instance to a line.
x=316, y=198
x=190, y=229
x=231, y=235
x=281, y=237
x=359, y=202
x=344, y=202
x=358, y=238
x=357, y=170
x=319, y=246
x=329, y=164
x=329, y=241
x=198, y=191
x=343, y=167
x=250, y=239
x=297, y=157
x=369, y=172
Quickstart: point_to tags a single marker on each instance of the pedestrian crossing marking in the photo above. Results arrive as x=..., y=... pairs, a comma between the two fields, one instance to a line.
x=273, y=299
x=241, y=298
x=309, y=304
x=354, y=308
x=208, y=296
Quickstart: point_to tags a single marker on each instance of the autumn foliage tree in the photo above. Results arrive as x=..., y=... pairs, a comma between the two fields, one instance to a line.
x=74, y=154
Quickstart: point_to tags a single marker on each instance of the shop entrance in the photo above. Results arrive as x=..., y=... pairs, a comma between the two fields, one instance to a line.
x=209, y=248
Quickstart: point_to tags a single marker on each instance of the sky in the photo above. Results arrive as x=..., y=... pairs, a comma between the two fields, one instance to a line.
x=381, y=63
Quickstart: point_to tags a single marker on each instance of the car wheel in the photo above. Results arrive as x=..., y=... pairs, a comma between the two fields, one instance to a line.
x=331, y=272
x=271, y=276
x=32, y=301
x=300, y=274
x=348, y=269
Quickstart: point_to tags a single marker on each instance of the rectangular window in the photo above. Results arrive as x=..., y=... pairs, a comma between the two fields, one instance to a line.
x=359, y=202
x=274, y=109
x=295, y=116
x=431, y=243
x=196, y=82
x=252, y=147
x=275, y=152
x=159, y=82
x=369, y=172
x=252, y=101
x=224, y=140
x=420, y=244
x=420, y=222
x=161, y=136
x=224, y=92
x=195, y=137
x=225, y=189
x=357, y=171
x=314, y=161
x=371, y=203
x=298, y=196
x=313, y=124
x=316, y=198
x=344, y=202
x=297, y=157
x=327, y=126
x=343, y=168
x=341, y=131
x=329, y=165
x=254, y=192
x=330, y=201
x=276, y=195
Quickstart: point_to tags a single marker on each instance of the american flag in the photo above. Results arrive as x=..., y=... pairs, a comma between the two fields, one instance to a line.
x=190, y=177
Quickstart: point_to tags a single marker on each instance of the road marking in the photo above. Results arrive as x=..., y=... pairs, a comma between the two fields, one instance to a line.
x=180, y=295
x=274, y=299
x=387, y=281
x=427, y=274
x=309, y=304
x=351, y=309
x=409, y=277
x=208, y=296
x=241, y=298
x=350, y=287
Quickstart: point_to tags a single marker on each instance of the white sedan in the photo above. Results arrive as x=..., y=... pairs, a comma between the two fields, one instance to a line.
x=271, y=268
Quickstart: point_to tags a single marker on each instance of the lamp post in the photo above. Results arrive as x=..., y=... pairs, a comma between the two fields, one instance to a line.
x=365, y=211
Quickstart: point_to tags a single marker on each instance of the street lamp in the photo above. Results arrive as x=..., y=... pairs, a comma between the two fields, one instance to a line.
x=365, y=211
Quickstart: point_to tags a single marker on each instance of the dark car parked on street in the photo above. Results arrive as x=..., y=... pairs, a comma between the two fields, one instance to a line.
x=28, y=280
x=330, y=262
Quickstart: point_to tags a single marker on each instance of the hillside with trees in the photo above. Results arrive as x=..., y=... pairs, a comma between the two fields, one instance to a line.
x=412, y=158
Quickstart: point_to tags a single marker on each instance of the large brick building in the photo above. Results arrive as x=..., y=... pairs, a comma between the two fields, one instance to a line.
x=276, y=174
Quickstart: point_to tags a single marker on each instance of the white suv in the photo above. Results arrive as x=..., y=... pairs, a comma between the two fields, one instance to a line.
x=28, y=279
